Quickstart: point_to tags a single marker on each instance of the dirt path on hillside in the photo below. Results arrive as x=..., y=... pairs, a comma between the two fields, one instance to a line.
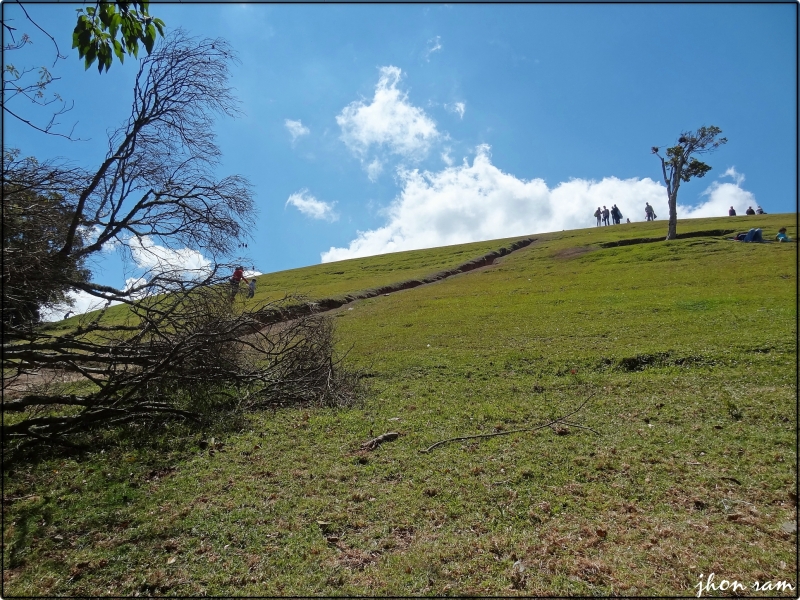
x=329, y=304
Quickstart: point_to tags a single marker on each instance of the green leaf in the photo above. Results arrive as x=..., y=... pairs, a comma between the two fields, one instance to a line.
x=150, y=38
x=159, y=25
x=115, y=22
x=84, y=24
x=106, y=12
x=91, y=54
x=119, y=51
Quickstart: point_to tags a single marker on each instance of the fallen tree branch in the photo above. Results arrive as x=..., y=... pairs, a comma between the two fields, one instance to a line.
x=488, y=435
x=375, y=442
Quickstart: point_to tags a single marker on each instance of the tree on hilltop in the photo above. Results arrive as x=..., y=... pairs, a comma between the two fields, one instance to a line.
x=680, y=165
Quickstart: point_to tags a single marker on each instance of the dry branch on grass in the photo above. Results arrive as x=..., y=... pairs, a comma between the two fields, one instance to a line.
x=559, y=420
x=375, y=442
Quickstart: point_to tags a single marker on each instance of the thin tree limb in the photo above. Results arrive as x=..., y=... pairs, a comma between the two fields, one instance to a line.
x=488, y=435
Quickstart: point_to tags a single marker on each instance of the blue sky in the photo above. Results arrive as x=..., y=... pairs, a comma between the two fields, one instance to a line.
x=374, y=128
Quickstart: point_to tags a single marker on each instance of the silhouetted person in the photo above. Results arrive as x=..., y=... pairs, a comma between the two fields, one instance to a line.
x=731, y=212
x=749, y=211
x=599, y=215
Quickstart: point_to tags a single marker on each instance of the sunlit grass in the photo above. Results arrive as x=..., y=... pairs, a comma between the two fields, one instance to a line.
x=687, y=348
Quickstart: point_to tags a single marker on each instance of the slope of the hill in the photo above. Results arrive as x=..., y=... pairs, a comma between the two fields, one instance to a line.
x=686, y=349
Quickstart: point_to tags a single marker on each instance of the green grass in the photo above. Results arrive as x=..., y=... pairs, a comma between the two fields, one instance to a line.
x=689, y=350
x=331, y=280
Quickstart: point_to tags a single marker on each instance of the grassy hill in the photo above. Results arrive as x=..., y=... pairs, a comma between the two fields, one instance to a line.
x=682, y=463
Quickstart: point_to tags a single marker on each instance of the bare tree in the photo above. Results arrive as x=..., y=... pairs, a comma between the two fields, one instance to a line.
x=181, y=338
x=30, y=83
x=95, y=36
x=680, y=165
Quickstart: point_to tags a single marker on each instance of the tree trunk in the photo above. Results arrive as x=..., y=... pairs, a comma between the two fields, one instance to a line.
x=672, y=232
x=672, y=190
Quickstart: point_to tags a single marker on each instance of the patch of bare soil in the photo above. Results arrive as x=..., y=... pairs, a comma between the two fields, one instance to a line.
x=573, y=252
x=352, y=558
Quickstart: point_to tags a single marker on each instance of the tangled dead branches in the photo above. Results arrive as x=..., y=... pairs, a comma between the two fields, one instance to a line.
x=186, y=354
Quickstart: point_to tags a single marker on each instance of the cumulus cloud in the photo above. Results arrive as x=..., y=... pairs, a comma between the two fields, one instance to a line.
x=720, y=197
x=388, y=122
x=184, y=263
x=296, y=129
x=152, y=260
x=90, y=235
x=311, y=207
x=82, y=302
x=467, y=203
x=457, y=107
x=434, y=45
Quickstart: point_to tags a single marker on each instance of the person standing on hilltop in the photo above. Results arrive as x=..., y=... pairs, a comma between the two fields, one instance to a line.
x=616, y=215
x=649, y=213
x=598, y=215
x=236, y=279
x=605, y=216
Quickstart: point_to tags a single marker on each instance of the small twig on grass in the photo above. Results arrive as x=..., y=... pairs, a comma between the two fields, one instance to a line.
x=571, y=424
x=560, y=419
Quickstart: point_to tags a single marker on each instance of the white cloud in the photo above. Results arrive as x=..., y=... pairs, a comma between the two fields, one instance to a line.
x=446, y=157
x=82, y=302
x=178, y=262
x=389, y=121
x=136, y=282
x=311, y=207
x=457, y=107
x=153, y=259
x=732, y=172
x=374, y=169
x=467, y=203
x=90, y=235
x=296, y=129
x=721, y=196
x=433, y=46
